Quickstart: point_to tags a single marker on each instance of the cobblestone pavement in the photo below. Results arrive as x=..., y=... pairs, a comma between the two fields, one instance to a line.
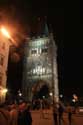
x=45, y=117
x=42, y=117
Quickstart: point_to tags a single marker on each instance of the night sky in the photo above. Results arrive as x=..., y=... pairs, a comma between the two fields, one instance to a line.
x=66, y=24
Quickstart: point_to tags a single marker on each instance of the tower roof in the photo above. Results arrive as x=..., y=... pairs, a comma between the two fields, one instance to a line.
x=45, y=30
x=42, y=27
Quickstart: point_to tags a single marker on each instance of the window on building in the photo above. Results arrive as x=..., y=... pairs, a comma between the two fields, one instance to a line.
x=1, y=59
x=39, y=70
x=44, y=50
x=3, y=45
x=1, y=78
x=34, y=51
x=49, y=70
x=40, y=51
x=34, y=71
x=43, y=70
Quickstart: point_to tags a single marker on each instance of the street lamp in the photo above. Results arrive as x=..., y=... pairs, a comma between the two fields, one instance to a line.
x=6, y=33
x=3, y=92
x=61, y=96
x=75, y=97
x=20, y=94
x=51, y=94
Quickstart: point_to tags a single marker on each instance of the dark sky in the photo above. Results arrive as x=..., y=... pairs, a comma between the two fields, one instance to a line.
x=73, y=49
x=66, y=23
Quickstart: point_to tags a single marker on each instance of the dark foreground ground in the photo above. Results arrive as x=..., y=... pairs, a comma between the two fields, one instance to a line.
x=45, y=117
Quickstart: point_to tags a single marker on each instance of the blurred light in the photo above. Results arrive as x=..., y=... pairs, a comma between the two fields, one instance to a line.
x=61, y=96
x=5, y=32
x=50, y=93
x=80, y=109
x=20, y=94
x=43, y=97
x=4, y=91
x=73, y=100
x=75, y=97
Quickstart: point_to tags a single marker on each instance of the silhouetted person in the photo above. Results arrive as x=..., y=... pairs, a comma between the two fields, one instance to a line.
x=69, y=110
x=55, y=115
x=24, y=115
x=60, y=110
x=4, y=115
x=13, y=114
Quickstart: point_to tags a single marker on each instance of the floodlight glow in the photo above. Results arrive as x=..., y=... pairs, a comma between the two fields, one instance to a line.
x=50, y=93
x=73, y=100
x=5, y=32
x=4, y=90
x=20, y=94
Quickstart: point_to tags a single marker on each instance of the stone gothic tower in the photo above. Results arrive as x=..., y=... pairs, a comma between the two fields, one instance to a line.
x=40, y=66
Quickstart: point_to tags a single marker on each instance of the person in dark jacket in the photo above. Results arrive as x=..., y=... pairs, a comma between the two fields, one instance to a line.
x=24, y=115
x=60, y=110
x=55, y=114
x=69, y=110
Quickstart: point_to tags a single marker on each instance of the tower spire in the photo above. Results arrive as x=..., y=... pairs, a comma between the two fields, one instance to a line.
x=45, y=29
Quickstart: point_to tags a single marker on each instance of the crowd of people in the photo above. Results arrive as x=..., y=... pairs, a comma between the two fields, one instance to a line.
x=14, y=114
x=58, y=114
x=20, y=114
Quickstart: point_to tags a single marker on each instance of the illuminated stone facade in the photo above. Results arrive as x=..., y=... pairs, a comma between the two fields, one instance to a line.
x=40, y=66
x=4, y=52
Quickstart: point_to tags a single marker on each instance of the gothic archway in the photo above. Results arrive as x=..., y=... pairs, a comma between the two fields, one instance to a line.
x=41, y=90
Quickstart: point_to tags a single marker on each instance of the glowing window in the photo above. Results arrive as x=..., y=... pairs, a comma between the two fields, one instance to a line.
x=34, y=71
x=43, y=70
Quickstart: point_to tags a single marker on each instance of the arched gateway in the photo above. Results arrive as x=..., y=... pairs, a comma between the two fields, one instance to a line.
x=40, y=66
x=41, y=89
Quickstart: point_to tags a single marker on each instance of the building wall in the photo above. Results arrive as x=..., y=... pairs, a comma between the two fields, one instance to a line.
x=4, y=52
